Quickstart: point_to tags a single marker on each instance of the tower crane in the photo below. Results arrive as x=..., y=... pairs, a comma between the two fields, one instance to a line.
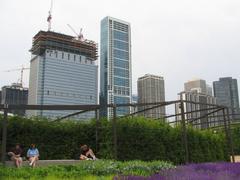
x=21, y=70
x=78, y=35
x=49, y=19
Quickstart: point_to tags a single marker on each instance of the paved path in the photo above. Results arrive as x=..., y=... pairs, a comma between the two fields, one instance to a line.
x=48, y=162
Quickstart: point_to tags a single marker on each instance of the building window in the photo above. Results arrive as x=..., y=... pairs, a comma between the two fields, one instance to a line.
x=56, y=53
x=68, y=56
x=74, y=57
x=62, y=55
x=120, y=35
x=80, y=58
x=47, y=92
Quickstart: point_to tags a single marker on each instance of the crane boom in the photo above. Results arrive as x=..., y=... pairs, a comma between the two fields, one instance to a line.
x=79, y=36
x=72, y=29
x=21, y=70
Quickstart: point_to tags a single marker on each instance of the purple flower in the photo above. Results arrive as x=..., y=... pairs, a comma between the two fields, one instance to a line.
x=203, y=171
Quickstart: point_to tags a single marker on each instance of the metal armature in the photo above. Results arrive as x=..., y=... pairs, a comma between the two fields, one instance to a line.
x=184, y=121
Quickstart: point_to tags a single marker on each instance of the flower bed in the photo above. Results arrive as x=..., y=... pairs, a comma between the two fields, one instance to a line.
x=203, y=171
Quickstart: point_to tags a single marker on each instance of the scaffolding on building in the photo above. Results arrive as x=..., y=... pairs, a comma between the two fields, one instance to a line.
x=56, y=41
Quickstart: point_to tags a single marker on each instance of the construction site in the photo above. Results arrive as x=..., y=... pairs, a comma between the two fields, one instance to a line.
x=56, y=41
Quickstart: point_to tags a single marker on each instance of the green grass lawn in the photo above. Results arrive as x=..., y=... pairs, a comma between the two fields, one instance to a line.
x=63, y=178
x=86, y=170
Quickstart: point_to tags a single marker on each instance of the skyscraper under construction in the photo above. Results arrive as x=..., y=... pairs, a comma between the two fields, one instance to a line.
x=63, y=70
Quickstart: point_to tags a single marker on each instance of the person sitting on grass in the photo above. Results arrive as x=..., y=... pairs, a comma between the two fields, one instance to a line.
x=33, y=155
x=87, y=153
x=15, y=155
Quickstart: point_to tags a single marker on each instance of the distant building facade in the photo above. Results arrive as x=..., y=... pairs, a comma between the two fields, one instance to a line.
x=203, y=100
x=197, y=84
x=134, y=98
x=209, y=90
x=198, y=91
x=63, y=71
x=226, y=92
x=151, y=89
x=115, y=70
x=15, y=94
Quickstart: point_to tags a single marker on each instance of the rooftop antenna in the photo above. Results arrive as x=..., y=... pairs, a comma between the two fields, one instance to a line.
x=78, y=35
x=49, y=19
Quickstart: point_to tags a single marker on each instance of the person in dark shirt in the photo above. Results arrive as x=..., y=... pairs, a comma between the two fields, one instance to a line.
x=86, y=153
x=15, y=155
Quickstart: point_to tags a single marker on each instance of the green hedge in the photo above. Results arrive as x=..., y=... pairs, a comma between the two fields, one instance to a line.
x=138, y=139
x=236, y=138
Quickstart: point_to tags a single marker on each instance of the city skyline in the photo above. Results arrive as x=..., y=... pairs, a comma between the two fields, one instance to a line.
x=175, y=47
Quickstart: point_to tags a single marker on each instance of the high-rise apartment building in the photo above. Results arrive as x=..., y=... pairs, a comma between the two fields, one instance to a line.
x=63, y=71
x=15, y=94
x=151, y=89
x=115, y=70
x=226, y=92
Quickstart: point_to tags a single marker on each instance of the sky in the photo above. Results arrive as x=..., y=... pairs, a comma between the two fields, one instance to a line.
x=177, y=39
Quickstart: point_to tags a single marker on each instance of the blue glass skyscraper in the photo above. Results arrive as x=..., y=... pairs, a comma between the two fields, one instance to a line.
x=115, y=67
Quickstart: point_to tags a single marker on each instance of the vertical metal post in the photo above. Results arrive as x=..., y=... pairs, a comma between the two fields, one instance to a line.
x=97, y=128
x=115, y=131
x=184, y=131
x=226, y=131
x=134, y=110
x=4, y=134
x=230, y=136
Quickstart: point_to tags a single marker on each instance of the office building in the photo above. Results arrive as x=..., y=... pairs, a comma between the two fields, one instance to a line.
x=15, y=95
x=197, y=91
x=200, y=109
x=209, y=90
x=226, y=92
x=115, y=68
x=150, y=90
x=63, y=71
x=196, y=84
x=134, y=98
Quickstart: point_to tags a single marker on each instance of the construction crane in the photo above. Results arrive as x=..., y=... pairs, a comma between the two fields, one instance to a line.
x=49, y=19
x=79, y=35
x=21, y=70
